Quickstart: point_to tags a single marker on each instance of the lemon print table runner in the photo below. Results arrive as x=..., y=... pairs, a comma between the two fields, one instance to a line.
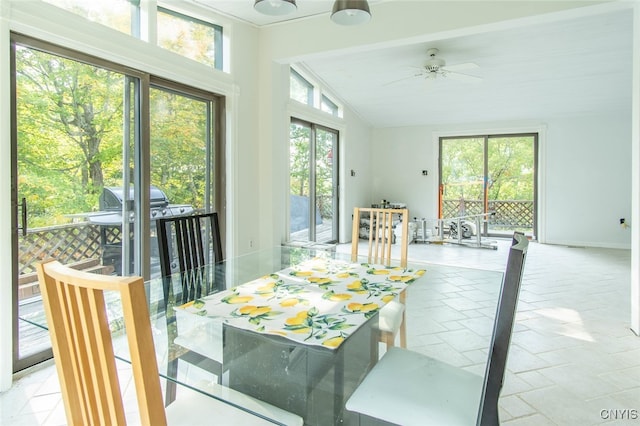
x=318, y=302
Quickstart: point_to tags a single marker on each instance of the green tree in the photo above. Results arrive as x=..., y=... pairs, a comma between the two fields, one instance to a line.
x=178, y=151
x=69, y=126
x=299, y=147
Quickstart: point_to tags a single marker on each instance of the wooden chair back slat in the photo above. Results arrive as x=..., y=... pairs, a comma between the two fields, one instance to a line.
x=75, y=307
x=381, y=234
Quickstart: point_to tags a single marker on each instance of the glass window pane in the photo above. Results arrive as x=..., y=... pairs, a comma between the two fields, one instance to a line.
x=326, y=179
x=313, y=179
x=299, y=181
x=511, y=182
x=190, y=37
x=116, y=14
x=328, y=106
x=462, y=185
x=70, y=143
x=179, y=153
x=300, y=89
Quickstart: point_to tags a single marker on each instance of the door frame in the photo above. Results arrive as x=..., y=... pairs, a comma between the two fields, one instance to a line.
x=312, y=180
x=536, y=134
x=141, y=178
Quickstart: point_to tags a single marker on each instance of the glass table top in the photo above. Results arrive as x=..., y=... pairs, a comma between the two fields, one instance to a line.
x=294, y=328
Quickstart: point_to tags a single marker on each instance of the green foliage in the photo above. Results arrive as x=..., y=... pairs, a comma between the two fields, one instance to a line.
x=510, y=164
x=191, y=39
x=115, y=14
x=70, y=138
x=300, y=167
x=174, y=147
x=66, y=111
x=299, y=158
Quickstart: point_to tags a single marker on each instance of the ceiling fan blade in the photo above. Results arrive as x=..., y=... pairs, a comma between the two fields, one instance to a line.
x=462, y=77
x=418, y=74
x=460, y=67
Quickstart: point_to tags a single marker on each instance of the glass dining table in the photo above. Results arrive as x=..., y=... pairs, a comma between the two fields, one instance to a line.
x=296, y=328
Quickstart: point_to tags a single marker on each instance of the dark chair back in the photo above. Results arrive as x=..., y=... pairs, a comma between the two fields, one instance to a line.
x=187, y=244
x=503, y=327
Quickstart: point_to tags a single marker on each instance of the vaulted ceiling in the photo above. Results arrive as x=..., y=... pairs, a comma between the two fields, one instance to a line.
x=562, y=67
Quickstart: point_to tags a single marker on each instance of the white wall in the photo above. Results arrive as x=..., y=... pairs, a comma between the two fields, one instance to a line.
x=588, y=180
x=399, y=156
x=243, y=161
x=356, y=154
x=585, y=174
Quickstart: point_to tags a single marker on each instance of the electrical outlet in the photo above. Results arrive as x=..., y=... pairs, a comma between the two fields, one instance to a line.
x=425, y=173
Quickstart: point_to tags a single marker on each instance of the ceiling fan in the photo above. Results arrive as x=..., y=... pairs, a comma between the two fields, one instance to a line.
x=436, y=67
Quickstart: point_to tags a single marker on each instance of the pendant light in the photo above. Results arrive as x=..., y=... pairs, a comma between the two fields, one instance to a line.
x=275, y=7
x=350, y=12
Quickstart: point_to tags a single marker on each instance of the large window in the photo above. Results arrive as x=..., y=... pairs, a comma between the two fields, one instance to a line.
x=183, y=34
x=327, y=105
x=301, y=90
x=493, y=175
x=81, y=137
x=121, y=15
x=305, y=90
x=190, y=37
x=183, y=163
x=313, y=182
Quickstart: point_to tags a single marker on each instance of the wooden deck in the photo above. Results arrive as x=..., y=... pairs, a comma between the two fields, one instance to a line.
x=324, y=234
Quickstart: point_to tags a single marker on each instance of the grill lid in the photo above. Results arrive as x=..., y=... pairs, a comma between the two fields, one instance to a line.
x=112, y=197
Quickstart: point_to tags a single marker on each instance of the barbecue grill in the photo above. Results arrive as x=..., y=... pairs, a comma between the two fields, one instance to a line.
x=110, y=220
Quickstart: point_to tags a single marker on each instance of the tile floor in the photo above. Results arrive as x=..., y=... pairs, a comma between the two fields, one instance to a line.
x=573, y=359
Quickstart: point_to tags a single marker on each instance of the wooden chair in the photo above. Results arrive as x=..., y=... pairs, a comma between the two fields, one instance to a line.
x=409, y=388
x=74, y=304
x=186, y=245
x=380, y=239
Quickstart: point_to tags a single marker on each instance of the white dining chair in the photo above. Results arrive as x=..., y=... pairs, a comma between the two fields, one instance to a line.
x=409, y=388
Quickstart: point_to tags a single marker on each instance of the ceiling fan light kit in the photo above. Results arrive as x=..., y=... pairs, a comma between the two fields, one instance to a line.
x=437, y=67
x=350, y=12
x=345, y=12
x=434, y=64
x=275, y=7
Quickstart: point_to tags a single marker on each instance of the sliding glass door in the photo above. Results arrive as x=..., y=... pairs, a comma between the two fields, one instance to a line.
x=313, y=183
x=184, y=161
x=493, y=175
x=80, y=141
x=72, y=123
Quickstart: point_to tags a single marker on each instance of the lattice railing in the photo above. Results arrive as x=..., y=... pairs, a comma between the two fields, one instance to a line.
x=68, y=243
x=461, y=207
x=512, y=214
x=508, y=213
